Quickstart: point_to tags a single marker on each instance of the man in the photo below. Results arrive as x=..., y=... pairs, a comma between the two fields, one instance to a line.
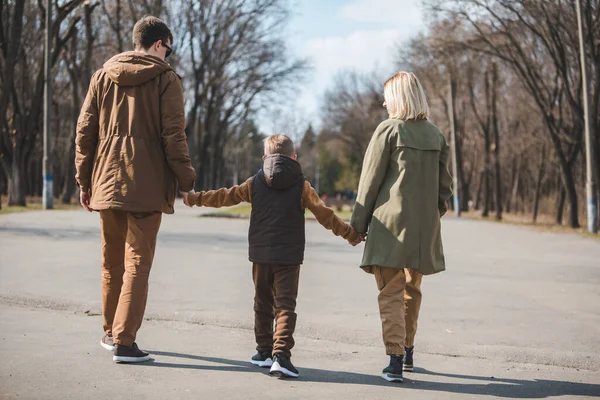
x=131, y=153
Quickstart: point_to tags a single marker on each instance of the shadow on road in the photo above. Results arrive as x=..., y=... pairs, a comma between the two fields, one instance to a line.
x=499, y=387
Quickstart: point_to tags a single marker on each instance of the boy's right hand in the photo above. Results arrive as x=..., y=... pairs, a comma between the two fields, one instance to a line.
x=188, y=198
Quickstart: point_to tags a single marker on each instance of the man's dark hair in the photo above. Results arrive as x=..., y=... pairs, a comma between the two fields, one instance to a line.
x=148, y=30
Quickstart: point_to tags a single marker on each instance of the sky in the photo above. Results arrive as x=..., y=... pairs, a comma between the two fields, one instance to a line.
x=347, y=34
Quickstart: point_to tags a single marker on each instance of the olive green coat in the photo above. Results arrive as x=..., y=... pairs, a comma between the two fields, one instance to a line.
x=402, y=194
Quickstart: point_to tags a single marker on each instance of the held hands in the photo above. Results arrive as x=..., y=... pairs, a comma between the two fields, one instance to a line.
x=354, y=242
x=188, y=197
x=356, y=238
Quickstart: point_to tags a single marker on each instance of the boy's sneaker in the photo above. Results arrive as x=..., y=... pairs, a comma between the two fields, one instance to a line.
x=129, y=354
x=263, y=360
x=408, y=359
x=393, y=372
x=107, y=343
x=283, y=367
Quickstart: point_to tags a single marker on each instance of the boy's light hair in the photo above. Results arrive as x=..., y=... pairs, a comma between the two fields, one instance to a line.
x=404, y=97
x=279, y=144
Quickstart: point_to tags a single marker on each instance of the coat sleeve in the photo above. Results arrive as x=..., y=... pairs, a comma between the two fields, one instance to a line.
x=86, y=137
x=373, y=173
x=173, y=131
x=445, y=187
x=225, y=197
x=325, y=215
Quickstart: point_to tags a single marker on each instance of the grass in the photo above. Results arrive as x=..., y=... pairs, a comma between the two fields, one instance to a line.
x=35, y=204
x=244, y=210
x=545, y=223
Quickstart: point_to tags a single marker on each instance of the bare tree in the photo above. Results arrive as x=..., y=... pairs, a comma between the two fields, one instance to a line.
x=353, y=107
x=236, y=56
x=21, y=103
x=538, y=40
x=79, y=70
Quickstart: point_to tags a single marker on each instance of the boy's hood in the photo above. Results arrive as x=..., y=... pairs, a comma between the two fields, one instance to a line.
x=281, y=172
x=133, y=68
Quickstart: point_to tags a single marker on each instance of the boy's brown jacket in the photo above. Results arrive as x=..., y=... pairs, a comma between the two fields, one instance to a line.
x=310, y=199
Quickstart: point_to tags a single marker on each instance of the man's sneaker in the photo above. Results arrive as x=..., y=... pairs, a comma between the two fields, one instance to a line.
x=107, y=343
x=283, y=367
x=408, y=359
x=393, y=372
x=129, y=354
x=263, y=360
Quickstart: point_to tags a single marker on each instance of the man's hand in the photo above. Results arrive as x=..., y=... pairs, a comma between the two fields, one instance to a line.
x=84, y=199
x=186, y=198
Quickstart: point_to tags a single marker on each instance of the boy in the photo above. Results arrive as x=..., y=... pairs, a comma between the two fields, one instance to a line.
x=278, y=194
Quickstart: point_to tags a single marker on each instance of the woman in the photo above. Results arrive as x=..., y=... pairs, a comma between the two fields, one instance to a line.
x=402, y=194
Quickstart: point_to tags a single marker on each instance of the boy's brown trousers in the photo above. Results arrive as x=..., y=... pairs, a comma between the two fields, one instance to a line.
x=276, y=289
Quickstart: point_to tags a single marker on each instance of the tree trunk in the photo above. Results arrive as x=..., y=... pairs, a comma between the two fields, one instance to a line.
x=486, y=192
x=118, y=28
x=569, y=183
x=16, y=180
x=70, y=185
x=597, y=155
x=538, y=185
x=496, y=133
x=498, y=180
x=511, y=204
x=1, y=184
x=478, y=193
x=560, y=206
x=463, y=190
x=509, y=197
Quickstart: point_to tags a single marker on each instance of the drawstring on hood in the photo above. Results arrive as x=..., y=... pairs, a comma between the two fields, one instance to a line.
x=281, y=172
x=133, y=68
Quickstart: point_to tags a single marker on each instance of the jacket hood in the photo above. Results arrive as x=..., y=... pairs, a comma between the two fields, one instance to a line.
x=133, y=68
x=281, y=172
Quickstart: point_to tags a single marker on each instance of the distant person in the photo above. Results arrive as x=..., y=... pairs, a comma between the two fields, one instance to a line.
x=278, y=194
x=131, y=154
x=402, y=194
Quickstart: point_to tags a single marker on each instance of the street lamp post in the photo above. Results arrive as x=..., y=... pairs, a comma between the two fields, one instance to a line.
x=590, y=185
x=47, y=194
x=456, y=191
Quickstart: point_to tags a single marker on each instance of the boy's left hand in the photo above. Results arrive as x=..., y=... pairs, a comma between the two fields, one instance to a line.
x=354, y=243
x=355, y=238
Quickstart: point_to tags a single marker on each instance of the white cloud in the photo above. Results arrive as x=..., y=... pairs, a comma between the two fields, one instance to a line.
x=394, y=12
x=360, y=51
x=371, y=47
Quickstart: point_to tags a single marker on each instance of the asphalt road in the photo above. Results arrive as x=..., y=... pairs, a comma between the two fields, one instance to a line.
x=516, y=315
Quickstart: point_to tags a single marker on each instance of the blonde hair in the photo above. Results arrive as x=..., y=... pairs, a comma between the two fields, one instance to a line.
x=404, y=97
x=279, y=144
